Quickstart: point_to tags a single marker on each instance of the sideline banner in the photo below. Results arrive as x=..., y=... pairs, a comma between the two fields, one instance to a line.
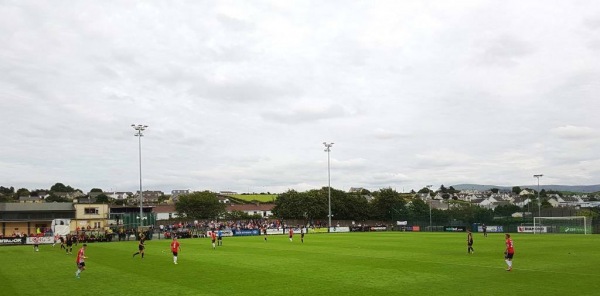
x=246, y=232
x=530, y=229
x=318, y=230
x=41, y=240
x=411, y=228
x=339, y=229
x=272, y=231
x=455, y=228
x=491, y=229
x=378, y=228
x=223, y=233
x=572, y=229
x=12, y=241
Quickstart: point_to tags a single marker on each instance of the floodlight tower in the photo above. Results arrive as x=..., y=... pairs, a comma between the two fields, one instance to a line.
x=430, y=204
x=139, y=129
x=539, y=201
x=328, y=150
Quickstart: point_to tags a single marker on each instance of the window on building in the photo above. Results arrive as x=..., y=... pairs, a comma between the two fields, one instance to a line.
x=96, y=224
x=92, y=211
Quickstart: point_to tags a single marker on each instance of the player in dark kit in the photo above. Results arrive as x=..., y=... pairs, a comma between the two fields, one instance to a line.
x=264, y=231
x=69, y=248
x=302, y=231
x=470, y=242
x=484, y=228
x=219, y=238
x=62, y=242
x=141, y=246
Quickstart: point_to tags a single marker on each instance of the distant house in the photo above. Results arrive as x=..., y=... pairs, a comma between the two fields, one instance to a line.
x=526, y=192
x=176, y=193
x=165, y=212
x=69, y=195
x=223, y=198
x=149, y=196
x=485, y=203
x=264, y=210
x=521, y=201
x=355, y=189
x=30, y=199
x=118, y=195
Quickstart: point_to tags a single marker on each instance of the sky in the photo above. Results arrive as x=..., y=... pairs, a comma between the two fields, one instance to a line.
x=241, y=95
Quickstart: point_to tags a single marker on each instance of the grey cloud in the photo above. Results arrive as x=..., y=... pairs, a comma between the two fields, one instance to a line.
x=504, y=50
x=241, y=91
x=571, y=132
x=592, y=23
x=235, y=24
x=305, y=115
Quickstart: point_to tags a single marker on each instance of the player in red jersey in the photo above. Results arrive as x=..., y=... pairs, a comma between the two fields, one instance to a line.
x=80, y=261
x=175, y=248
x=213, y=237
x=291, y=233
x=509, y=252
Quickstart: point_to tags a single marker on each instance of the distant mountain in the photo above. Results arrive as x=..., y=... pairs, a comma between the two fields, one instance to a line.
x=574, y=188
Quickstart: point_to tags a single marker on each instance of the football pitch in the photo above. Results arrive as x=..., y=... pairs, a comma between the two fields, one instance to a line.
x=386, y=263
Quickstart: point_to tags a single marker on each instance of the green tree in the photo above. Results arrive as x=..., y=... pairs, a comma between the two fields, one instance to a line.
x=590, y=213
x=60, y=187
x=309, y=205
x=199, y=205
x=495, y=190
x=546, y=204
x=424, y=190
x=443, y=189
x=237, y=215
x=7, y=190
x=388, y=205
x=56, y=198
x=516, y=189
x=418, y=210
x=22, y=192
x=102, y=198
x=506, y=210
x=96, y=190
x=288, y=205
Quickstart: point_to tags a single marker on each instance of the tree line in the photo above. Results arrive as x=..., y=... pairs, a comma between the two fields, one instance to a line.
x=386, y=205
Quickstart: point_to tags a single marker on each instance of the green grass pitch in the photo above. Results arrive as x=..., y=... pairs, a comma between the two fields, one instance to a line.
x=387, y=263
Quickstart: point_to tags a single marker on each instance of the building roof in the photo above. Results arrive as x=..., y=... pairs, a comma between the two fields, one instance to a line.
x=36, y=207
x=164, y=209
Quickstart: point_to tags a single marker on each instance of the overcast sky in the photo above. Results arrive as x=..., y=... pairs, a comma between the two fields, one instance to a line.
x=241, y=95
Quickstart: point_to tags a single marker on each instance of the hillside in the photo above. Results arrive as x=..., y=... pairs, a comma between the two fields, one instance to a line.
x=265, y=198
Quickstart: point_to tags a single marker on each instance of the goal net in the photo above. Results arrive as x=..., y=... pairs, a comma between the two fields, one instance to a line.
x=568, y=225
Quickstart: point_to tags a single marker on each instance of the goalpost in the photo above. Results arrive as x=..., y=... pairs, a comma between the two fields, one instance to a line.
x=569, y=225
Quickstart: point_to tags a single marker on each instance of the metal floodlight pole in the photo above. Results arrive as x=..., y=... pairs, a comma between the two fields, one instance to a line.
x=539, y=201
x=140, y=128
x=328, y=150
x=430, y=204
